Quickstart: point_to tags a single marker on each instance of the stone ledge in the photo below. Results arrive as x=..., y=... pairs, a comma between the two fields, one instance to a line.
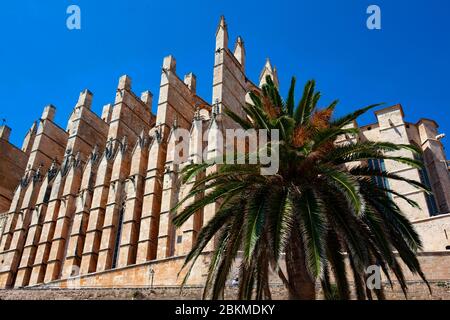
x=417, y=291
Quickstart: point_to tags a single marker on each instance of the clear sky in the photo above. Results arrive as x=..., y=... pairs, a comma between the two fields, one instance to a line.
x=42, y=62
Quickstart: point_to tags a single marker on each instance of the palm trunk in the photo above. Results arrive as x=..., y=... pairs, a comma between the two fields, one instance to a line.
x=301, y=285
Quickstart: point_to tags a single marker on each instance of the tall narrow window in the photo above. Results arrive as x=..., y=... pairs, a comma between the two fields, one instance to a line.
x=425, y=180
x=47, y=195
x=378, y=165
x=118, y=236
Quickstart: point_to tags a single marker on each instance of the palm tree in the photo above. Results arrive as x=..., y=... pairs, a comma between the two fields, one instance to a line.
x=321, y=215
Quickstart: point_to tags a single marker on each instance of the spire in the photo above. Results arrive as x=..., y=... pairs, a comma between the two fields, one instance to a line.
x=215, y=141
x=5, y=131
x=147, y=98
x=268, y=70
x=85, y=99
x=222, y=35
x=275, y=76
x=49, y=112
x=196, y=139
x=33, y=128
x=123, y=89
x=239, y=51
x=124, y=83
x=191, y=81
x=169, y=63
x=107, y=112
x=28, y=141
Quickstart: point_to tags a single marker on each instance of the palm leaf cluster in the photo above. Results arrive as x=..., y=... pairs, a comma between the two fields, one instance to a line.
x=322, y=218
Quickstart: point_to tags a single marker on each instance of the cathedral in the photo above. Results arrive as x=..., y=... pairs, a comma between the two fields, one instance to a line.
x=89, y=205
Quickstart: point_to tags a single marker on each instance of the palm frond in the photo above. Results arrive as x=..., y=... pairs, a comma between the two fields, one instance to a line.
x=313, y=226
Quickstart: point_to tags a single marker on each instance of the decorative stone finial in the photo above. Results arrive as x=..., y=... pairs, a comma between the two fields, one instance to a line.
x=221, y=35
x=268, y=70
x=239, y=51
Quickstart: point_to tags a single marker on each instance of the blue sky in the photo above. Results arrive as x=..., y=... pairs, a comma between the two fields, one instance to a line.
x=43, y=62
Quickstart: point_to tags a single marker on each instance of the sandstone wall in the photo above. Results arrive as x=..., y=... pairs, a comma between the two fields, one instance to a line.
x=435, y=232
x=167, y=273
x=13, y=162
x=96, y=198
x=417, y=291
x=392, y=127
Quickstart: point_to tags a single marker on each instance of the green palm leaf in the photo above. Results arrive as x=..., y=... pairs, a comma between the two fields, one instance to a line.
x=318, y=212
x=313, y=229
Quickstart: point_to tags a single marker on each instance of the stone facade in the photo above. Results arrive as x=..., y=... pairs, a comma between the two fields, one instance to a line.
x=392, y=127
x=431, y=218
x=416, y=291
x=12, y=164
x=90, y=205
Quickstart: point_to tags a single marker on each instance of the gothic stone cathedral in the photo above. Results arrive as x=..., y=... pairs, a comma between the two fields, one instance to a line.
x=89, y=205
